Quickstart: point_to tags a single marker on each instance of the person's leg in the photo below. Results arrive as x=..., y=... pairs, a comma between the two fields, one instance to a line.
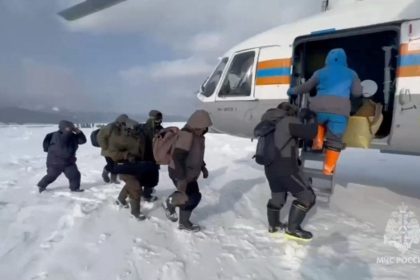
x=305, y=199
x=73, y=174
x=52, y=173
x=274, y=205
x=133, y=188
x=336, y=127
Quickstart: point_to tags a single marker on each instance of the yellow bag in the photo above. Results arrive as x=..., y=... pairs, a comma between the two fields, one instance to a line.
x=358, y=133
x=363, y=126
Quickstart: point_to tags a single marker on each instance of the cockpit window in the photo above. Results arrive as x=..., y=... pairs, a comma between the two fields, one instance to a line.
x=210, y=84
x=238, y=81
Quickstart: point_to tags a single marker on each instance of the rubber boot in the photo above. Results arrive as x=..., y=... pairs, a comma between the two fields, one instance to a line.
x=296, y=216
x=330, y=162
x=273, y=217
x=318, y=141
x=184, y=221
x=105, y=176
x=135, y=210
x=114, y=178
x=170, y=210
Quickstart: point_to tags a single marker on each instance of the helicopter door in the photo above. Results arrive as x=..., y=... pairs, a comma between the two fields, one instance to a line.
x=235, y=98
x=405, y=134
x=273, y=73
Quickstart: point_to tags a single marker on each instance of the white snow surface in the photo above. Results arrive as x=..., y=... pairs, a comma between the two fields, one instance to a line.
x=61, y=235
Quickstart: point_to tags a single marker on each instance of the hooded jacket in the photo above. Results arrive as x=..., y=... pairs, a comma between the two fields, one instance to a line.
x=63, y=144
x=335, y=83
x=283, y=142
x=188, y=156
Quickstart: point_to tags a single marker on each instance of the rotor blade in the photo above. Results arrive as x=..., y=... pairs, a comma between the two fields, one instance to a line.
x=86, y=8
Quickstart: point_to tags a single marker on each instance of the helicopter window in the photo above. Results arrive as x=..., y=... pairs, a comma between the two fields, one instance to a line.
x=210, y=84
x=238, y=80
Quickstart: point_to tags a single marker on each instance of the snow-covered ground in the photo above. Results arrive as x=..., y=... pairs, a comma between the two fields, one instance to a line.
x=60, y=235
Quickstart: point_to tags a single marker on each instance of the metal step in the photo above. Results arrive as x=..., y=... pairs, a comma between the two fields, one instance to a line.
x=316, y=173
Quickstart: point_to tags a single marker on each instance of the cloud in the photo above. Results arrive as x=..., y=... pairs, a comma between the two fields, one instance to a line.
x=48, y=85
x=166, y=70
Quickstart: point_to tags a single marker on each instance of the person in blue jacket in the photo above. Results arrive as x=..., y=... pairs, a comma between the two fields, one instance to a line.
x=61, y=147
x=335, y=83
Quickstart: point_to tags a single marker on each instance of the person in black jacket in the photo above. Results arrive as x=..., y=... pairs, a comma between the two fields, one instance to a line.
x=150, y=180
x=61, y=147
x=283, y=170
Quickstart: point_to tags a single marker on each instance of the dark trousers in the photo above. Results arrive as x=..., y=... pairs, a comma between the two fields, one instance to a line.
x=109, y=165
x=133, y=190
x=294, y=183
x=193, y=194
x=53, y=171
x=146, y=172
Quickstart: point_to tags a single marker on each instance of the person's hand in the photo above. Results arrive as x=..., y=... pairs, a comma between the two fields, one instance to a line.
x=205, y=172
x=291, y=91
x=130, y=157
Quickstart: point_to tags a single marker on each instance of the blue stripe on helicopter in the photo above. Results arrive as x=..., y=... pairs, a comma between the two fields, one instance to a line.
x=409, y=60
x=263, y=73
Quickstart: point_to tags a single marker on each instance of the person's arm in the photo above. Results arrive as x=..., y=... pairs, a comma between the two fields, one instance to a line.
x=103, y=136
x=305, y=87
x=81, y=138
x=356, y=87
x=305, y=131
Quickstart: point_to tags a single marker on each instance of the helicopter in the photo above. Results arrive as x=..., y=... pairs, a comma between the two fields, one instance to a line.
x=382, y=42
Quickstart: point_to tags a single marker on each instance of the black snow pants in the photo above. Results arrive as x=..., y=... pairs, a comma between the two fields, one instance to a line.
x=53, y=171
x=294, y=183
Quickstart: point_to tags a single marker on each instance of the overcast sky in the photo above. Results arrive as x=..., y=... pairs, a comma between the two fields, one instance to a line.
x=137, y=55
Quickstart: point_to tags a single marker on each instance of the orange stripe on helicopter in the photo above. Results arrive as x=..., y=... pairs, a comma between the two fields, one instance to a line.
x=408, y=71
x=274, y=63
x=405, y=51
x=282, y=80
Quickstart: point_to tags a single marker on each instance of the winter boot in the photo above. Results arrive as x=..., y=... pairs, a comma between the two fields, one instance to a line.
x=77, y=190
x=296, y=216
x=273, y=216
x=184, y=221
x=135, y=210
x=318, y=141
x=114, y=179
x=331, y=158
x=170, y=210
x=121, y=204
x=105, y=176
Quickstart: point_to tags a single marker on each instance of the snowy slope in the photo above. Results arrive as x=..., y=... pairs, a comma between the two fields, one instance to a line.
x=58, y=235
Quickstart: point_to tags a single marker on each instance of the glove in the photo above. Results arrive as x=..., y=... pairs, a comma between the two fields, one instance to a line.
x=205, y=172
x=130, y=157
x=306, y=115
x=181, y=185
x=291, y=91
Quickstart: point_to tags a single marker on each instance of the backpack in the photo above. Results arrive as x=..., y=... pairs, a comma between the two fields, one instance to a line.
x=163, y=143
x=94, y=138
x=265, y=150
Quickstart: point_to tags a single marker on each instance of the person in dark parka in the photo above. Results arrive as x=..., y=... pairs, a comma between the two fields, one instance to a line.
x=283, y=172
x=150, y=180
x=61, y=147
x=186, y=166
